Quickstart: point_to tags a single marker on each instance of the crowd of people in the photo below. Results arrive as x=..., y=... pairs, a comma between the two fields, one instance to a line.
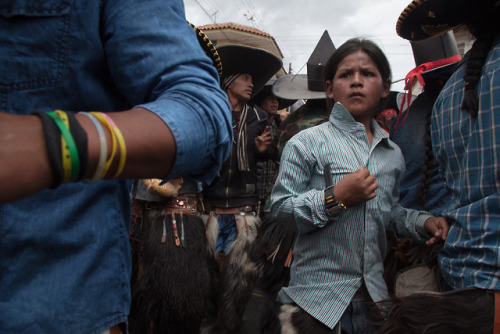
x=150, y=184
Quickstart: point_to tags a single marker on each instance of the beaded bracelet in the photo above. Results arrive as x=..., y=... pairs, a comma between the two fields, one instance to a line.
x=103, y=147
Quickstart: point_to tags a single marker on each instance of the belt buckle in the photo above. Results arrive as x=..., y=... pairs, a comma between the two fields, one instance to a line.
x=246, y=209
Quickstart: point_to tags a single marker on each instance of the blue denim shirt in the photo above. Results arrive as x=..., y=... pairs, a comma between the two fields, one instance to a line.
x=64, y=253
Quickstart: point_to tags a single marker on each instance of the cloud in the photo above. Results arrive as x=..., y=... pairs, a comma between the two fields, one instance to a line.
x=297, y=25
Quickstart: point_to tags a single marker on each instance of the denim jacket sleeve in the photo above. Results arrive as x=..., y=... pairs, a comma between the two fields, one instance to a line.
x=159, y=63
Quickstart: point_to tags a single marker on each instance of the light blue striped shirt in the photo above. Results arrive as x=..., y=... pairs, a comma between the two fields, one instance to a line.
x=468, y=150
x=332, y=258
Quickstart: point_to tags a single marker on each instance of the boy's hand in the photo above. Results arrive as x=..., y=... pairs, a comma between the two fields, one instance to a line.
x=355, y=188
x=438, y=227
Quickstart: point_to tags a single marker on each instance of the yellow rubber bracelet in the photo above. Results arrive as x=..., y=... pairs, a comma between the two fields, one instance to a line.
x=65, y=154
x=121, y=143
x=103, y=154
x=105, y=122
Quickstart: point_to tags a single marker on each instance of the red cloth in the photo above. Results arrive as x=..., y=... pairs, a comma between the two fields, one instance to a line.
x=417, y=72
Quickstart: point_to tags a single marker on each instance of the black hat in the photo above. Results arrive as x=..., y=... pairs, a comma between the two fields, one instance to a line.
x=432, y=54
x=433, y=57
x=426, y=18
x=312, y=85
x=239, y=59
x=266, y=91
x=434, y=48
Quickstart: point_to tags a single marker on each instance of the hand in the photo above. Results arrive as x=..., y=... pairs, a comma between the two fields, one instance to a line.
x=355, y=188
x=263, y=141
x=438, y=227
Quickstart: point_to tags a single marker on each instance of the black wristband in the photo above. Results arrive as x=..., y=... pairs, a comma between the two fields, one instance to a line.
x=333, y=208
x=53, y=144
x=80, y=138
x=52, y=136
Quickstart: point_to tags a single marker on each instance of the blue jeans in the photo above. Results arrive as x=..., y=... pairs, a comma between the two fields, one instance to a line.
x=227, y=233
x=355, y=319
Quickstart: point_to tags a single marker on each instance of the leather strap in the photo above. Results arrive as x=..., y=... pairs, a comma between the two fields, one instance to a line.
x=233, y=211
x=496, y=328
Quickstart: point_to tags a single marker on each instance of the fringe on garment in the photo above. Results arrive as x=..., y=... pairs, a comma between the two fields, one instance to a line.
x=171, y=284
x=240, y=272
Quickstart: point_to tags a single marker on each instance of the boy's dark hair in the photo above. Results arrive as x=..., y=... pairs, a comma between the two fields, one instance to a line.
x=354, y=45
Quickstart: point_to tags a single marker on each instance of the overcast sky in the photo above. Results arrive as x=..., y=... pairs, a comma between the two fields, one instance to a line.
x=297, y=25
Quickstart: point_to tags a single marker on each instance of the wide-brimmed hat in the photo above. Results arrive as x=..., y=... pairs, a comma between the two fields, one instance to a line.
x=239, y=59
x=310, y=85
x=266, y=91
x=208, y=47
x=426, y=18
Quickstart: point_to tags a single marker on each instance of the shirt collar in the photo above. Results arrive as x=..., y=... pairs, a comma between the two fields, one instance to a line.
x=342, y=119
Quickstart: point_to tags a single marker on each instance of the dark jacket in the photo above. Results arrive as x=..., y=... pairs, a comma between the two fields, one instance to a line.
x=232, y=187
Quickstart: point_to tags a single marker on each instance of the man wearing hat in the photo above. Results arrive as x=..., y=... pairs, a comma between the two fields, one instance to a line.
x=465, y=138
x=271, y=104
x=231, y=200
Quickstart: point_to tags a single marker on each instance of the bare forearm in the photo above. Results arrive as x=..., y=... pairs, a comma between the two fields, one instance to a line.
x=150, y=143
x=25, y=168
x=24, y=163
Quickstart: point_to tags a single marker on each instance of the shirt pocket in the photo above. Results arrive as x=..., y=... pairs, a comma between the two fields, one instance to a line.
x=35, y=37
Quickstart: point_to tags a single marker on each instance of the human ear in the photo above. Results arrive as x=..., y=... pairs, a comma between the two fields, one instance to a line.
x=387, y=89
x=329, y=89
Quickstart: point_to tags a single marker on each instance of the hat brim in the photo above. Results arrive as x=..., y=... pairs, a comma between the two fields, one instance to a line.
x=426, y=18
x=268, y=90
x=208, y=48
x=259, y=63
x=294, y=87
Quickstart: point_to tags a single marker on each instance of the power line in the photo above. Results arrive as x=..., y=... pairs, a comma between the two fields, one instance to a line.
x=203, y=8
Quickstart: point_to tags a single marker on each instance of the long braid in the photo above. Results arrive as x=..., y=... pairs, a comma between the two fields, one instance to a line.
x=435, y=81
x=472, y=75
x=429, y=163
x=485, y=30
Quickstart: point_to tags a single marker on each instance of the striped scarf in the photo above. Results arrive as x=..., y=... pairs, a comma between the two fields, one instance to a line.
x=241, y=144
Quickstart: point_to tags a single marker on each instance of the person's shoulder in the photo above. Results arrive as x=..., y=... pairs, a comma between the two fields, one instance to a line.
x=260, y=113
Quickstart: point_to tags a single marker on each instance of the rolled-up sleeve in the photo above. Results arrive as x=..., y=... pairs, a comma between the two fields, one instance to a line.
x=157, y=63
